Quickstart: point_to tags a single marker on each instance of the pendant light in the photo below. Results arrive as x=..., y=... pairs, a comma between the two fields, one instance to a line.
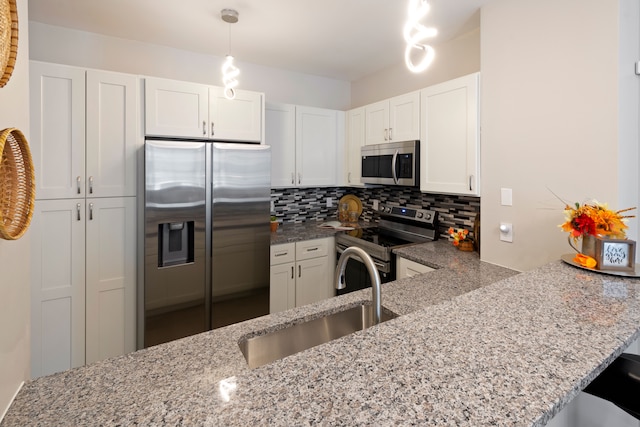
x=415, y=34
x=229, y=70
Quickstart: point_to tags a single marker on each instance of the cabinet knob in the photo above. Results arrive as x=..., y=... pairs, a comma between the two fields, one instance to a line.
x=78, y=212
x=90, y=211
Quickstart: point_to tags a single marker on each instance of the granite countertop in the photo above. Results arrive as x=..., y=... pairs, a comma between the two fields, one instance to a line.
x=475, y=345
x=290, y=232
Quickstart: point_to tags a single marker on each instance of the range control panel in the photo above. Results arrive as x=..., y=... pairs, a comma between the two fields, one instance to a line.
x=421, y=215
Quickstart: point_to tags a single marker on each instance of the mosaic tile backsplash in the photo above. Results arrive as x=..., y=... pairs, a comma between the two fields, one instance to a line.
x=310, y=204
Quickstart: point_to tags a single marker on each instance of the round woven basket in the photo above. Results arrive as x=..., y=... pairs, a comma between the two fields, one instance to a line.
x=8, y=39
x=17, y=184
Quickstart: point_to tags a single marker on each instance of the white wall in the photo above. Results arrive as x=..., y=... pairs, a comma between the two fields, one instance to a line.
x=83, y=49
x=549, y=120
x=14, y=254
x=453, y=59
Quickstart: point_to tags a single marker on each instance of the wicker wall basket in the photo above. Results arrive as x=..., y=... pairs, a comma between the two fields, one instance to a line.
x=17, y=184
x=8, y=39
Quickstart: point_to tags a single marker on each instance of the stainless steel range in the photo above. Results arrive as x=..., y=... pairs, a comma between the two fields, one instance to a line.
x=398, y=227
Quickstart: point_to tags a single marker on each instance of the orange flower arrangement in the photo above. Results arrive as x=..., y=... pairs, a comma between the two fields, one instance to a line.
x=458, y=235
x=595, y=219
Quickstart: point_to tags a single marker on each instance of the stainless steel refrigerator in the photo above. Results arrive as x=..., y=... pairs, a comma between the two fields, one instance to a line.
x=206, y=237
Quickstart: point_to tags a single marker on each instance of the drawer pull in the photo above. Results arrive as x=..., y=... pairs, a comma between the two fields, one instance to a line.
x=281, y=254
x=312, y=249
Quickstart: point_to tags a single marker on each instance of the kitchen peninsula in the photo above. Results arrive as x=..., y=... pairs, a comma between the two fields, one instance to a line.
x=475, y=344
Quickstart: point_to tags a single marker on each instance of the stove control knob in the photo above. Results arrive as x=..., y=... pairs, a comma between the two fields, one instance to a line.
x=428, y=216
x=420, y=215
x=388, y=209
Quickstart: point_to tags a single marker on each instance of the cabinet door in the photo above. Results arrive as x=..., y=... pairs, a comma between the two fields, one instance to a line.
x=57, y=286
x=408, y=268
x=282, y=287
x=313, y=279
x=238, y=119
x=57, y=105
x=110, y=277
x=280, y=134
x=450, y=142
x=355, y=141
x=174, y=108
x=316, y=142
x=404, y=117
x=377, y=123
x=111, y=134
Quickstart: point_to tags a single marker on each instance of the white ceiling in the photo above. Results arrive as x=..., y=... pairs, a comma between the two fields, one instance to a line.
x=341, y=39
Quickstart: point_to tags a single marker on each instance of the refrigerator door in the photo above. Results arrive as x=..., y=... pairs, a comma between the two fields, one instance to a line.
x=176, y=300
x=241, y=192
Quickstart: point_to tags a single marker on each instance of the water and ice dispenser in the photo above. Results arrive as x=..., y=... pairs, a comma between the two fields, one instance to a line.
x=176, y=243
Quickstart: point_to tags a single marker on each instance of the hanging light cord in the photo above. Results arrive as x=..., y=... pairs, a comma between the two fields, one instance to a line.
x=415, y=34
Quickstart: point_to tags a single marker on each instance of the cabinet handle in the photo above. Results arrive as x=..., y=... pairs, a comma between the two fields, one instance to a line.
x=390, y=134
x=386, y=134
x=90, y=185
x=299, y=271
x=204, y=128
x=349, y=178
x=90, y=211
x=281, y=254
x=312, y=249
x=293, y=178
x=78, y=183
x=292, y=271
x=212, y=131
x=78, y=212
x=299, y=178
x=470, y=179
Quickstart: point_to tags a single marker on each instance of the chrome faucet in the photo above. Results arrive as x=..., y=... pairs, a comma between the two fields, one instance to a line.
x=354, y=251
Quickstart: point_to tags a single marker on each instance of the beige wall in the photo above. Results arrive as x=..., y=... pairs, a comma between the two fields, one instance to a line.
x=549, y=120
x=83, y=49
x=14, y=255
x=453, y=59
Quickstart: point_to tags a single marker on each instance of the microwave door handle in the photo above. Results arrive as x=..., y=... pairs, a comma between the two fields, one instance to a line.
x=394, y=164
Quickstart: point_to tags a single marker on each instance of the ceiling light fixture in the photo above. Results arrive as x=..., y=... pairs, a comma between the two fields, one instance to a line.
x=229, y=70
x=415, y=33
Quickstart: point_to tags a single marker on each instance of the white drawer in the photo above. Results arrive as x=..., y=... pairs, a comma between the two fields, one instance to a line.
x=281, y=254
x=408, y=268
x=314, y=248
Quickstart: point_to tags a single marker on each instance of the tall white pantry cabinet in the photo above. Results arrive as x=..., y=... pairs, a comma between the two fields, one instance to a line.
x=83, y=142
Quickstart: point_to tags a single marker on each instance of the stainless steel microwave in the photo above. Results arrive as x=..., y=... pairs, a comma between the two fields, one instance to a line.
x=394, y=163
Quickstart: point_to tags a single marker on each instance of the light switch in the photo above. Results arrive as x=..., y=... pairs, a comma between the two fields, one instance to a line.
x=375, y=205
x=329, y=202
x=506, y=197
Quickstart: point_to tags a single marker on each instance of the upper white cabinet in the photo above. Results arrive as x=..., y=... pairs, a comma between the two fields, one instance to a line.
x=304, y=144
x=355, y=141
x=450, y=137
x=191, y=110
x=392, y=120
x=64, y=102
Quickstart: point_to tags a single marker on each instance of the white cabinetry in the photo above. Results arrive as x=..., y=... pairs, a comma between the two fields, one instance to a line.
x=191, y=110
x=85, y=185
x=355, y=141
x=450, y=137
x=301, y=273
x=304, y=145
x=408, y=268
x=393, y=120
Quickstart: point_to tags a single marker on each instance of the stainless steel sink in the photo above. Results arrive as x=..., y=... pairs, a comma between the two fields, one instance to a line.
x=263, y=349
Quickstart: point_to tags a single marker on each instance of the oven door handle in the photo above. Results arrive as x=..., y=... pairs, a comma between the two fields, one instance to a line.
x=378, y=264
x=394, y=164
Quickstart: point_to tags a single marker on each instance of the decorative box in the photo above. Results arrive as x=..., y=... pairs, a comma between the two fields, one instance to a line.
x=610, y=254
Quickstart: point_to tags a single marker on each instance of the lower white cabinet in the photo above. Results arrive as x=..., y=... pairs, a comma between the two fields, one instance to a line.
x=407, y=268
x=82, y=282
x=301, y=273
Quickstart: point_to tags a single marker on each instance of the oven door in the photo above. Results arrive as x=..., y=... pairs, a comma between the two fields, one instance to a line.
x=356, y=275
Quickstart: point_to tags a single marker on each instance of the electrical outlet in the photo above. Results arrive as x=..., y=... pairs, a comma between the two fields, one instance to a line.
x=329, y=202
x=273, y=206
x=506, y=232
x=375, y=205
